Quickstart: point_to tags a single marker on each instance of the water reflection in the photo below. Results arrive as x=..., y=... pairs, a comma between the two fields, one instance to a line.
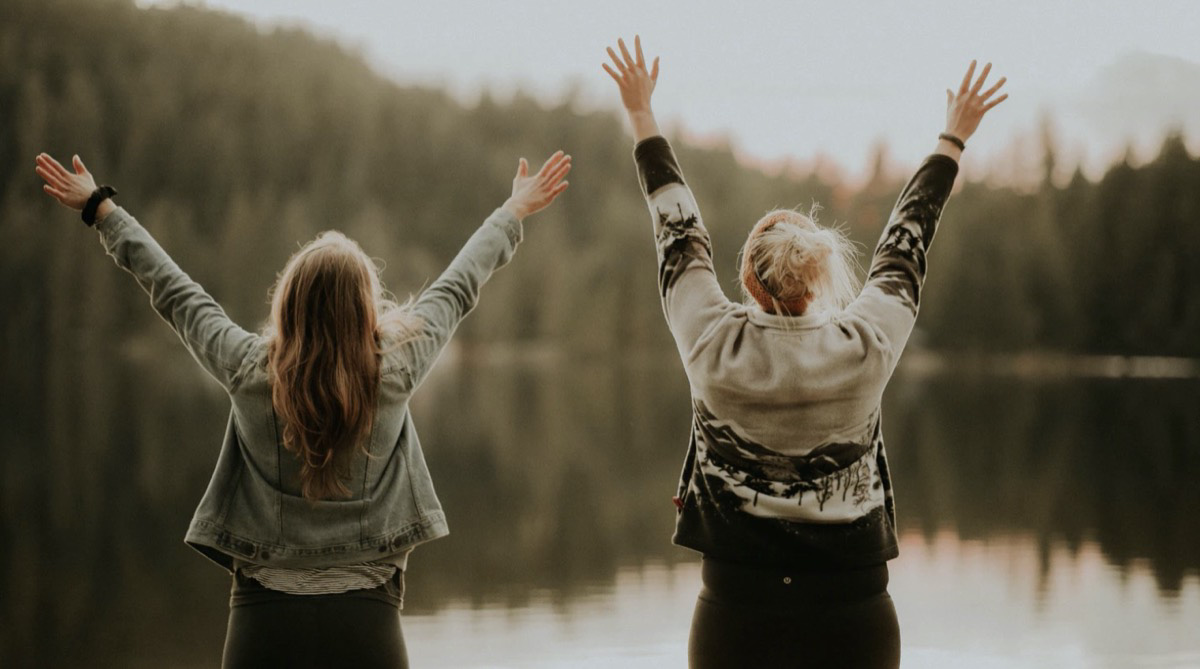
x=1067, y=461
x=1069, y=500
x=1007, y=602
x=961, y=604
x=552, y=478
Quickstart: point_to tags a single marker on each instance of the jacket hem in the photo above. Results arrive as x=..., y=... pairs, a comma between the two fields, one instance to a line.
x=220, y=545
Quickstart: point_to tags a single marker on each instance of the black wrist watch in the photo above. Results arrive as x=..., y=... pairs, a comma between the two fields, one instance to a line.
x=962, y=146
x=99, y=195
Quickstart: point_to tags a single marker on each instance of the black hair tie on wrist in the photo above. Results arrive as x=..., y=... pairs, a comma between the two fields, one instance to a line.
x=99, y=195
x=962, y=146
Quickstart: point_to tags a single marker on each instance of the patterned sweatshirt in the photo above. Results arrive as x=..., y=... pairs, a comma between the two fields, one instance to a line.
x=786, y=464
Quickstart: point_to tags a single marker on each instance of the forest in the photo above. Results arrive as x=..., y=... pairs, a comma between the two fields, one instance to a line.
x=233, y=145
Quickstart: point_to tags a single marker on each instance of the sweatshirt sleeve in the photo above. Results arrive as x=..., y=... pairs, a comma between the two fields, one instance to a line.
x=691, y=296
x=448, y=300
x=215, y=341
x=892, y=292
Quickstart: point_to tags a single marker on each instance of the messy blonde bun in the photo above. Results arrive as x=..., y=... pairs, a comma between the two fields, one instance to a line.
x=790, y=263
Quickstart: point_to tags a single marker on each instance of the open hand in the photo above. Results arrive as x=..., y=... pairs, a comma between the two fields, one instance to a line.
x=531, y=194
x=966, y=109
x=71, y=190
x=633, y=78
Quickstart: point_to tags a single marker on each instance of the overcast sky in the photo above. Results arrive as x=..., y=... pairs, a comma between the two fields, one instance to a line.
x=798, y=79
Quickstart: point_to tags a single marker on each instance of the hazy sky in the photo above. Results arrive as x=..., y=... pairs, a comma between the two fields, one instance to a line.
x=796, y=79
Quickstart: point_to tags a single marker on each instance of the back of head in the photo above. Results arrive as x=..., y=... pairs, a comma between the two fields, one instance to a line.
x=790, y=263
x=324, y=357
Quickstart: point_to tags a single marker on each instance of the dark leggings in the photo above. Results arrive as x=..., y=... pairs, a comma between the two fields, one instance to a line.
x=359, y=628
x=749, y=616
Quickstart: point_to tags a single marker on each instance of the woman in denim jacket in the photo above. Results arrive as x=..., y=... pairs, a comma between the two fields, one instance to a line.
x=320, y=490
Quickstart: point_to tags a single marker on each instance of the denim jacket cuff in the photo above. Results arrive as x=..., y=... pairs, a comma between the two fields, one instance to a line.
x=110, y=227
x=509, y=224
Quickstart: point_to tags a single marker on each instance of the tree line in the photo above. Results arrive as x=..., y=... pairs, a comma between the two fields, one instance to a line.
x=233, y=145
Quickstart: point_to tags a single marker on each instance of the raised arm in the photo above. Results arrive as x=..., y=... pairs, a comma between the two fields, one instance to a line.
x=215, y=341
x=691, y=297
x=443, y=305
x=892, y=293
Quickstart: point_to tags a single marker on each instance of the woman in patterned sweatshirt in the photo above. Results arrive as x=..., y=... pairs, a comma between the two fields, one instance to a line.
x=785, y=487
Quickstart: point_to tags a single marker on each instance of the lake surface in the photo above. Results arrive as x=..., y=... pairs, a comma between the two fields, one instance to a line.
x=1044, y=523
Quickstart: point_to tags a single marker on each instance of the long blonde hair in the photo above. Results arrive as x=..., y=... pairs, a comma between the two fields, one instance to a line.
x=329, y=318
x=790, y=263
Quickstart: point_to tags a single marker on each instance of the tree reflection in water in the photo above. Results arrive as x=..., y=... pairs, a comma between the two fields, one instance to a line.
x=554, y=477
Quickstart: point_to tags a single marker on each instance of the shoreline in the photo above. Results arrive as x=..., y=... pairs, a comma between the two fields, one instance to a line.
x=915, y=362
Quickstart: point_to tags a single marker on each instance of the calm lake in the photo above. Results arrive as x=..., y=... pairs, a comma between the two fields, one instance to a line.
x=1044, y=523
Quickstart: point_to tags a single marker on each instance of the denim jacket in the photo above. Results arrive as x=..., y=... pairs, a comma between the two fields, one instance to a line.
x=253, y=509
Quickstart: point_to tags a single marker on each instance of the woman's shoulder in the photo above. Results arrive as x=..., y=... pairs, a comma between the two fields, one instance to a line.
x=396, y=355
x=260, y=349
x=750, y=347
x=254, y=364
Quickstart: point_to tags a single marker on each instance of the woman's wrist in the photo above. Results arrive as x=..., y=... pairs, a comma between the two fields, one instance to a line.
x=513, y=208
x=106, y=207
x=947, y=148
x=956, y=139
x=644, y=124
x=100, y=196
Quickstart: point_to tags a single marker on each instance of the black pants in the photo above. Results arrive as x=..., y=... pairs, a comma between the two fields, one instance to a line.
x=359, y=628
x=749, y=616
